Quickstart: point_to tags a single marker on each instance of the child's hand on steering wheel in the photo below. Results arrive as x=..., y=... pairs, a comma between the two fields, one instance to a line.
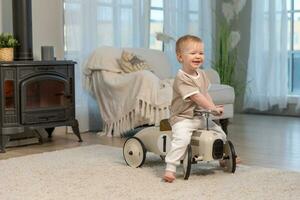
x=219, y=110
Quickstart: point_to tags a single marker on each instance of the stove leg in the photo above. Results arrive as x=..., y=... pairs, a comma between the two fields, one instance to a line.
x=50, y=131
x=75, y=128
x=2, y=150
x=38, y=135
x=3, y=141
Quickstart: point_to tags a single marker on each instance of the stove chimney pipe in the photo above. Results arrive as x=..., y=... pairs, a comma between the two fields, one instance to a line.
x=22, y=28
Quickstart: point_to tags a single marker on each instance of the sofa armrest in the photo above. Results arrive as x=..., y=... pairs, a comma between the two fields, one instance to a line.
x=212, y=75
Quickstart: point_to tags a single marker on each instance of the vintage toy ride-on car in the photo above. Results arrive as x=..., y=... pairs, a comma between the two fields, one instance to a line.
x=206, y=145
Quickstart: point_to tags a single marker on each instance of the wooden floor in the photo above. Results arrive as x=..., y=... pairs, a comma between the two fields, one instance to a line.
x=261, y=140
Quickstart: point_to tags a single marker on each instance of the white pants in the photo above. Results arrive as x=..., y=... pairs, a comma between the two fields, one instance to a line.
x=181, y=137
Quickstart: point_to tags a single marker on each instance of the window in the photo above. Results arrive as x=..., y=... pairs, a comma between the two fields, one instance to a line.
x=115, y=19
x=71, y=8
x=109, y=17
x=193, y=14
x=105, y=22
x=156, y=23
x=293, y=7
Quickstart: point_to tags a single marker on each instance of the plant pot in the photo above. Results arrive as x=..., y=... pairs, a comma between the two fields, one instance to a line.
x=6, y=54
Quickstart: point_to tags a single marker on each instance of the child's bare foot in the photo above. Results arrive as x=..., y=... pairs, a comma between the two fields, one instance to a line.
x=169, y=176
x=238, y=160
x=222, y=163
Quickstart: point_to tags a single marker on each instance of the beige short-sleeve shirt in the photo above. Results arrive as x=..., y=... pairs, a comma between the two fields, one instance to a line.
x=184, y=86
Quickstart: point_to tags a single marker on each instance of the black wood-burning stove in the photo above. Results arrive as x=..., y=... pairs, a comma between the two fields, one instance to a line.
x=34, y=94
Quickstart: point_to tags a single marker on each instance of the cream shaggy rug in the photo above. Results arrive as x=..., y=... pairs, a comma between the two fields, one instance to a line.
x=99, y=172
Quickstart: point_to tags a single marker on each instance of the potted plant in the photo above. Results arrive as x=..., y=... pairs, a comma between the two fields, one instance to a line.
x=227, y=38
x=7, y=44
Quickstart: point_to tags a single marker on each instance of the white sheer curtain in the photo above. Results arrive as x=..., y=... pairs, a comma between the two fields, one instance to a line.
x=267, y=74
x=188, y=17
x=1, y=23
x=93, y=23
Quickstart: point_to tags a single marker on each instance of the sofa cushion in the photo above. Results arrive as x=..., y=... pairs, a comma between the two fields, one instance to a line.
x=212, y=75
x=105, y=58
x=130, y=62
x=157, y=60
x=221, y=94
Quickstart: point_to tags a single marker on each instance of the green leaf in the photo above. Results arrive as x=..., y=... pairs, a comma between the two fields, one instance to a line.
x=8, y=41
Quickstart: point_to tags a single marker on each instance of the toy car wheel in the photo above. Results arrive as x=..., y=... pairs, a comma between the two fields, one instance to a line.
x=229, y=157
x=134, y=152
x=187, y=163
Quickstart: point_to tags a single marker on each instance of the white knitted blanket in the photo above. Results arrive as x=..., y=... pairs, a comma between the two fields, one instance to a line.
x=128, y=100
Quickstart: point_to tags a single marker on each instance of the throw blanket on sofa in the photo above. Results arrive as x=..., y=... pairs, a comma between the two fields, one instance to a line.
x=128, y=100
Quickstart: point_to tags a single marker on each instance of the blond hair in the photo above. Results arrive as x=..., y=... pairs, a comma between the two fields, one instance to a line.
x=184, y=39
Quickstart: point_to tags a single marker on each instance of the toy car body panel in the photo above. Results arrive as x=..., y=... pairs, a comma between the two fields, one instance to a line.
x=156, y=141
x=202, y=142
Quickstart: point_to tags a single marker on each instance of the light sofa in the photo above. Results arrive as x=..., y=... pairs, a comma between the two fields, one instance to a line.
x=102, y=70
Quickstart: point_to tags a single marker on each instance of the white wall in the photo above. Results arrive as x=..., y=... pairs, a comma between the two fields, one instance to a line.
x=1, y=16
x=47, y=24
x=6, y=16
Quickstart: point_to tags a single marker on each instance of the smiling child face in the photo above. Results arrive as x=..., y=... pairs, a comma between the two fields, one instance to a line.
x=191, y=55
